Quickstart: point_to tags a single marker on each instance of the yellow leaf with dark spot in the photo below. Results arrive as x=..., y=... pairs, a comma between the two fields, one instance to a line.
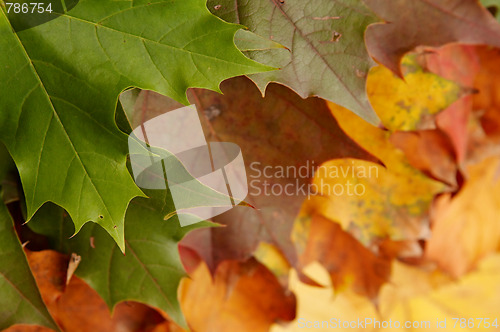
x=412, y=103
x=368, y=199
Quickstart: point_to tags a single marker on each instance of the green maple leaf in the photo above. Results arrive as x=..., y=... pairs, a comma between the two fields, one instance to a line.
x=150, y=271
x=60, y=84
x=20, y=300
x=326, y=54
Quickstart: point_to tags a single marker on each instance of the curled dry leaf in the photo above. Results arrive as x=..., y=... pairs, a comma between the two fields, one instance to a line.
x=472, y=123
x=487, y=100
x=74, y=261
x=429, y=151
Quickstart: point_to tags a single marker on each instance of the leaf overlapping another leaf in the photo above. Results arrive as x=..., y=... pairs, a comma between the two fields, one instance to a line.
x=20, y=300
x=151, y=270
x=269, y=131
x=412, y=103
x=412, y=23
x=493, y=6
x=61, y=81
x=391, y=201
x=327, y=55
x=241, y=296
x=467, y=227
x=78, y=308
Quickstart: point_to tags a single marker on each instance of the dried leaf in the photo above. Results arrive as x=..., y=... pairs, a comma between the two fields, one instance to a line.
x=458, y=63
x=467, y=227
x=74, y=261
x=429, y=151
x=371, y=201
x=429, y=296
x=242, y=296
x=412, y=23
x=78, y=308
x=349, y=264
x=318, y=305
x=325, y=55
x=488, y=97
x=279, y=131
x=410, y=104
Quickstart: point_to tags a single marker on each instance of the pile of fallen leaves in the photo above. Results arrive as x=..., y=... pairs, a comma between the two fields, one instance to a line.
x=421, y=243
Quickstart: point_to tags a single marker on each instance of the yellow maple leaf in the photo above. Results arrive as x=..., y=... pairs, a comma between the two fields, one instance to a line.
x=371, y=200
x=412, y=103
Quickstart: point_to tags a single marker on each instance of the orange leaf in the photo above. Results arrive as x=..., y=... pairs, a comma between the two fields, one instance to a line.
x=467, y=227
x=243, y=296
x=429, y=151
x=349, y=263
x=77, y=307
x=488, y=85
x=428, y=296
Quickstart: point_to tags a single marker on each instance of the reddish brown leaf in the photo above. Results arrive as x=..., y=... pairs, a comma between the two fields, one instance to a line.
x=488, y=85
x=77, y=307
x=412, y=23
x=458, y=63
x=280, y=130
x=455, y=62
x=480, y=133
x=453, y=121
x=429, y=151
